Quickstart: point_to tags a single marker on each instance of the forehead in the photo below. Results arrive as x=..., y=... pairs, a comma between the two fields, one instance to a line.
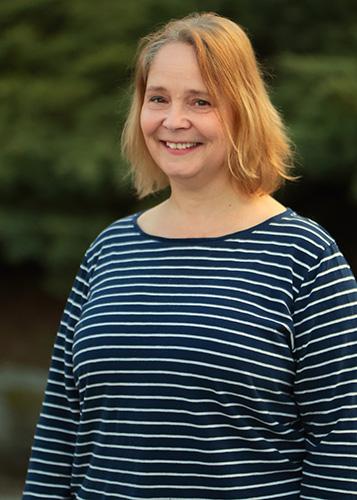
x=175, y=62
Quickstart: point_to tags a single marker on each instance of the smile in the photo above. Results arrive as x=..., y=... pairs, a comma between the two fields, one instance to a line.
x=180, y=145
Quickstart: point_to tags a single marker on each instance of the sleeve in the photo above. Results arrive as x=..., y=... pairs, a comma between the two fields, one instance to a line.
x=50, y=466
x=325, y=320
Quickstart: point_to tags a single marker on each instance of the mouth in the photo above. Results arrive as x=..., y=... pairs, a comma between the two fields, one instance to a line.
x=181, y=146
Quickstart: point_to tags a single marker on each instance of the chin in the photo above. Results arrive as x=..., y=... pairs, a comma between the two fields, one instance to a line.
x=180, y=174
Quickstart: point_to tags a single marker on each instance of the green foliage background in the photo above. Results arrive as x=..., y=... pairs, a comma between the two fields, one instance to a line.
x=65, y=68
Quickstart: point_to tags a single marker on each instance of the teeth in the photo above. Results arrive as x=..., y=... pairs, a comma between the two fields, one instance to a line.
x=180, y=145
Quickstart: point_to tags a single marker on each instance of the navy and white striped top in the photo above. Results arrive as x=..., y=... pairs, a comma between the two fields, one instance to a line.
x=204, y=368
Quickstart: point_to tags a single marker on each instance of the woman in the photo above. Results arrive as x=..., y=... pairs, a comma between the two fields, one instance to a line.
x=208, y=347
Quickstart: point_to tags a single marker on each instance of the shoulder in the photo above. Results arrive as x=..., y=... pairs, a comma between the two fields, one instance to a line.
x=301, y=239
x=300, y=227
x=117, y=233
x=307, y=248
x=322, y=245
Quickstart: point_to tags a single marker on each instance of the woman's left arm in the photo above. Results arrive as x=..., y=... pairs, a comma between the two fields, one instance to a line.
x=50, y=467
x=325, y=321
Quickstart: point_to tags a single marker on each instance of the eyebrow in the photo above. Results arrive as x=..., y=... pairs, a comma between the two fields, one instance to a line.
x=153, y=88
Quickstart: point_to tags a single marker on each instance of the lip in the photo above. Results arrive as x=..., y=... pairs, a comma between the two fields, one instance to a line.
x=180, y=152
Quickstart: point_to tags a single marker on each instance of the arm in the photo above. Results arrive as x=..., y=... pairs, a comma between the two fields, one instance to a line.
x=50, y=466
x=326, y=382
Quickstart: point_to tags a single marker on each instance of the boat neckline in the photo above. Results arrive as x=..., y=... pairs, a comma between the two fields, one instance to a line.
x=239, y=233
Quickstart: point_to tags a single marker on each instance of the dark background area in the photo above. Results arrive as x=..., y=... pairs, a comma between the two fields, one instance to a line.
x=65, y=70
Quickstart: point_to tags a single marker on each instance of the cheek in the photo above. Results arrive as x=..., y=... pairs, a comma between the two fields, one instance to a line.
x=213, y=128
x=148, y=122
x=222, y=137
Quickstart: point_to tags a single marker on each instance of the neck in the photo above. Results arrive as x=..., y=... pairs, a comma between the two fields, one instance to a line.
x=207, y=212
x=206, y=203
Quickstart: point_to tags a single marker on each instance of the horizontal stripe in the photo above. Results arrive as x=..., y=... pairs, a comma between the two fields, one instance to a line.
x=209, y=369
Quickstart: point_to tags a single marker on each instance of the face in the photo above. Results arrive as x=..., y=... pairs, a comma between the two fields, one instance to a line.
x=179, y=119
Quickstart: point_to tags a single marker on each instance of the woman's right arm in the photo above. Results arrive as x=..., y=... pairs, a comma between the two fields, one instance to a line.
x=326, y=382
x=50, y=467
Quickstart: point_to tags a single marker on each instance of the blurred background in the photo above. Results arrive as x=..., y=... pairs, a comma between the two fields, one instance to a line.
x=65, y=70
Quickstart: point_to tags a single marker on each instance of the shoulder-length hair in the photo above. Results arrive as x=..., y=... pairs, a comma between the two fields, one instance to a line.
x=260, y=152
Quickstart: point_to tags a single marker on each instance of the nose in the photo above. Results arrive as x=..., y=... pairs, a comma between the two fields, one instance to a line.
x=175, y=118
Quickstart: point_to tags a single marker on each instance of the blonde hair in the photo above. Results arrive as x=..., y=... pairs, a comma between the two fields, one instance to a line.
x=260, y=154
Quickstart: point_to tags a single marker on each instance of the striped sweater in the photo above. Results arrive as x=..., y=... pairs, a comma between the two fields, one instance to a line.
x=204, y=368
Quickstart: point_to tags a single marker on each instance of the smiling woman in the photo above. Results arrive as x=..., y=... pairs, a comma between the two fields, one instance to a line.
x=182, y=129
x=222, y=62
x=208, y=347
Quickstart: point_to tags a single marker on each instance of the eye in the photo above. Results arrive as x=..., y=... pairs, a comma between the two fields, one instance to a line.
x=201, y=103
x=157, y=99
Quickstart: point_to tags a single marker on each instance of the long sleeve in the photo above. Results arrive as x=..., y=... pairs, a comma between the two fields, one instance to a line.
x=50, y=466
x=326, y=381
